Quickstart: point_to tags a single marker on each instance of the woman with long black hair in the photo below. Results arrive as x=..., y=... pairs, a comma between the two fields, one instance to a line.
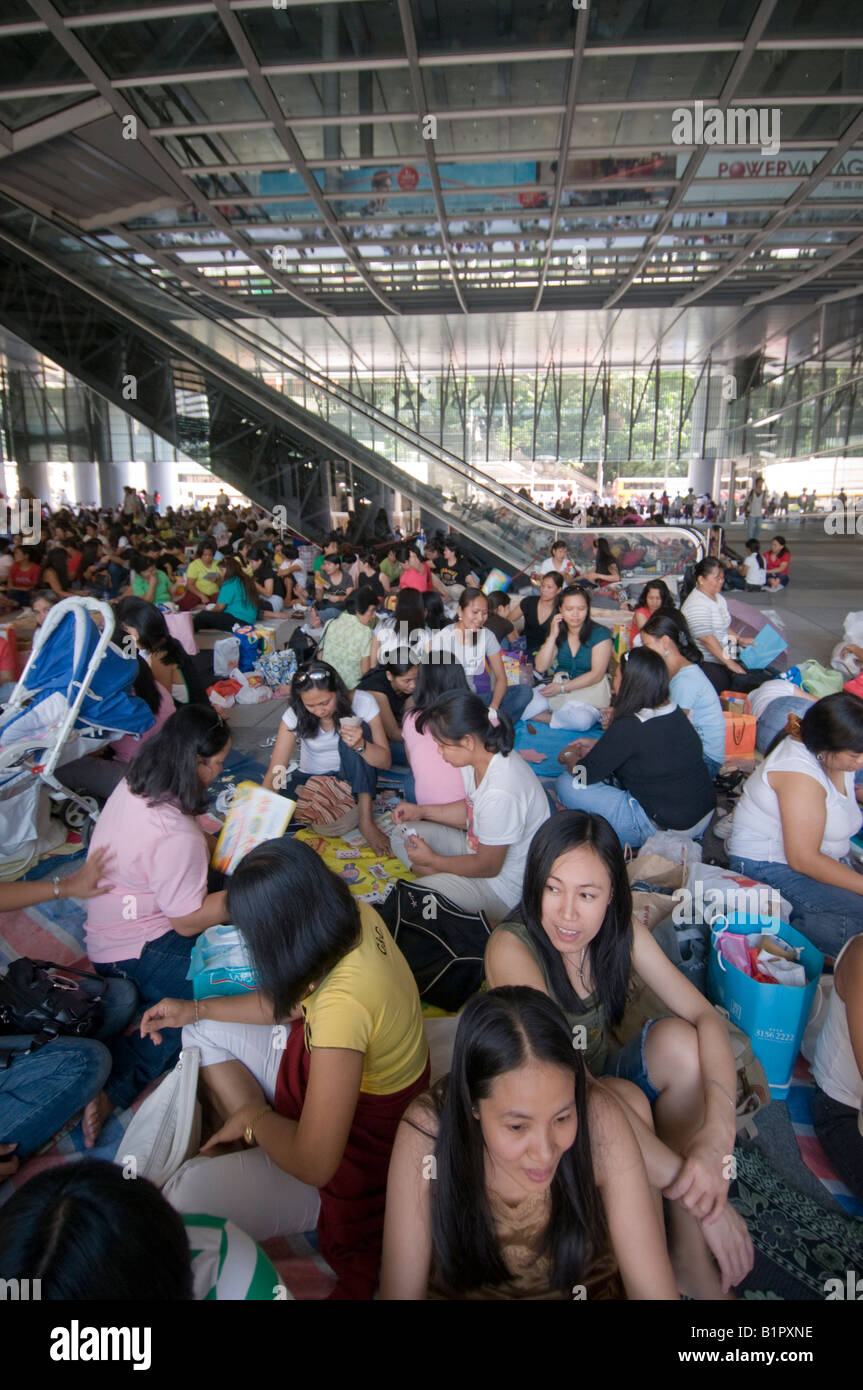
x=575, y=939
x=169, y=661
x=575, y=656
x=653, y=753
x=517, y=1178
x=237, y=599
x=321, y=1100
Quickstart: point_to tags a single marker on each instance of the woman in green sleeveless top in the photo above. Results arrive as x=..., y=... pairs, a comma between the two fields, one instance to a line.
x=676, y=1079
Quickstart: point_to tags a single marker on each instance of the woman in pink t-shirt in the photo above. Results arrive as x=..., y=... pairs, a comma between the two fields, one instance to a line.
x=435, y=782
x=144, y=928
x=417, y=572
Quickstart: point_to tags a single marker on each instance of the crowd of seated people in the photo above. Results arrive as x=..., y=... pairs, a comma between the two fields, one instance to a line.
x=611, y=1175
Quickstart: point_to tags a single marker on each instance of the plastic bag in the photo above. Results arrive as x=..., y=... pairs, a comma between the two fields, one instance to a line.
x=712, y=892
x=671, y=844
x=818, y=681
x=226, y=656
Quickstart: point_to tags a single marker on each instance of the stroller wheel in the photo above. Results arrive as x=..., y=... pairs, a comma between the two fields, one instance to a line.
x=77, y=817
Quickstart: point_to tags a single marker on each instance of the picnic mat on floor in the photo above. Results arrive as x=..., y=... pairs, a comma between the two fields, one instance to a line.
x=367, y=873
x=800, y=1110
x=549, y=742
x=799, y=1244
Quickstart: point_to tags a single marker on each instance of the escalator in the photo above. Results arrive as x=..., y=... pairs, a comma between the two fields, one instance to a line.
x=229, y=398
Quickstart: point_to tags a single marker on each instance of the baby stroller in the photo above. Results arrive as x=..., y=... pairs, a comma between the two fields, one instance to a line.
x=73, y=697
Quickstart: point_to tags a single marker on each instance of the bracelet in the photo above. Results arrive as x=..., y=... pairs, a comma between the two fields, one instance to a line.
x=732, y=1103
x=56, y=882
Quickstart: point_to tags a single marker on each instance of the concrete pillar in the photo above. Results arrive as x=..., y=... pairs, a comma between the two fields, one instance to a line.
x=162, y=478
x=34, y=476
x=110, y=487
x=85, y=484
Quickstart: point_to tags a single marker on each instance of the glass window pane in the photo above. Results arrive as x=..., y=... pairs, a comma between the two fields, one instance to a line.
x=350, y=141
x=821, y=18
x=674, y=76
x=178, y=104
x=774, y=72
x=33, y=60
x=497, y=135
x=496, y=84
x=670, y=20
x=316, y=32
x=450, y=26
x=188, y=44
x=15, y=115
x=344, y=93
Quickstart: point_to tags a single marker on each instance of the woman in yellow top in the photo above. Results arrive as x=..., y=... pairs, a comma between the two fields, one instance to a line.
x=203, y=580
x=322, y=1099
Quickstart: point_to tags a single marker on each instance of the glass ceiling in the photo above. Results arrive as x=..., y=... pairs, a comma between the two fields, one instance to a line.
x=402, y=156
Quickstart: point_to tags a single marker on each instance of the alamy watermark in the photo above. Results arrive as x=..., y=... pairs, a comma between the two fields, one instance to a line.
x=22, y=519
x=734, y=125
x=700, y=904
x=845, y=520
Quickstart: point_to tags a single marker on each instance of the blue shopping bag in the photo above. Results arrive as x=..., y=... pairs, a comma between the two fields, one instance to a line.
x=766, y=647
x=773, y=1016
x=220, y=964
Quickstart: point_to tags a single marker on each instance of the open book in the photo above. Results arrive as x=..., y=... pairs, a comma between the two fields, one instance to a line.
x=256, y=815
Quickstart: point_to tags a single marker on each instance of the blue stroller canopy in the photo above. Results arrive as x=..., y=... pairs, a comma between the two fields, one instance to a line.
x=109, y=702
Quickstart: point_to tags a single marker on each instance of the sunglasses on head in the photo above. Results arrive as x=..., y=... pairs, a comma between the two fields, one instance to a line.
x=304, y=678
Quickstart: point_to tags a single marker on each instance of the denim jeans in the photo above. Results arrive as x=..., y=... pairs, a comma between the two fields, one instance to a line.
x=40, y=1092
x=626, y=816
x=835, y=1125
x=826, y=915
x=714, y=767
x=159, y=973
x=775, y=717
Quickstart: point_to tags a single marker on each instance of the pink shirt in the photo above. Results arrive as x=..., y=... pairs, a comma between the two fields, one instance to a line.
x=126, y=747
x=436, y=783
x=159, y=871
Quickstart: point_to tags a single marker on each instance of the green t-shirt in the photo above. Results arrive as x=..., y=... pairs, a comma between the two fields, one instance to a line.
x=227, y=1265
x=579, y=664
x=237, y=602
x=163, y=587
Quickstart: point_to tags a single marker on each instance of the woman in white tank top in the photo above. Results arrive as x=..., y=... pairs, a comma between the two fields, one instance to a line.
x=793, y=824
x=838, y=1070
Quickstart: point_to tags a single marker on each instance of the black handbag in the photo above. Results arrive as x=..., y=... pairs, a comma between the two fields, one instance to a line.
x=38, y=997
x=443, y=944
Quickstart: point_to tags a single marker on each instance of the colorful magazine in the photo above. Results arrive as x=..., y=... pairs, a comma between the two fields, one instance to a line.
x=255, y=816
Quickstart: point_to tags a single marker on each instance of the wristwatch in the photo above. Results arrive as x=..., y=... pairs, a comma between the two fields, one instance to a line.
x=249, y=1131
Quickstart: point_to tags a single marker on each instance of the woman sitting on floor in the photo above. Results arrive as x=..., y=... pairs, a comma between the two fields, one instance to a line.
x=321, y=1100
x=793, y=823
x=340, y=734
x=144, y=928
x=575, y=939
x=576, y=655
x=515, y=1177
x=237, y=601
x=654, y=597
x=653, y=753
x=432, y=782
x=475, y=646
x=709, y=620
x=473, y=850
x=666, y=634
x=171, y=664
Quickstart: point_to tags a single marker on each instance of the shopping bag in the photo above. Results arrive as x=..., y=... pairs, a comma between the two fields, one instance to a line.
x=740, y=731
x=220, y=964
x=167, y=1128
x=774, y=1016
x=765, y=648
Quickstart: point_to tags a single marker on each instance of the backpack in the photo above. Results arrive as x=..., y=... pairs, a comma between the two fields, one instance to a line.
x=443, y=944
x=38, y=997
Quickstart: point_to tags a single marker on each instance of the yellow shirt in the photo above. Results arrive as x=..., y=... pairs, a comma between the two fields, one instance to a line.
x=206, y=581
x=370, y=1003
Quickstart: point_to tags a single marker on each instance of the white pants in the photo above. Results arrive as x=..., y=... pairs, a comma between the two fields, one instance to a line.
x=473, y=894
x=247, y=1188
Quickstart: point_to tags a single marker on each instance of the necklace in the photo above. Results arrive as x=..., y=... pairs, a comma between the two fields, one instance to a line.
x=580, y=966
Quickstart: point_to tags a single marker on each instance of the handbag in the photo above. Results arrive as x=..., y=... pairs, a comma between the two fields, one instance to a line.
x=166, y=1130
x=38, y=997
x=443, y=944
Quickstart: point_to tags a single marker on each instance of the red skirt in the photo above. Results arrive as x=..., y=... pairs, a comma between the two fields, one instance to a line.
x=351, y=1223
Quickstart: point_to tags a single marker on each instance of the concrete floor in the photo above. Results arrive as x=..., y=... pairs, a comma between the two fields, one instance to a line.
x=826, y=583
